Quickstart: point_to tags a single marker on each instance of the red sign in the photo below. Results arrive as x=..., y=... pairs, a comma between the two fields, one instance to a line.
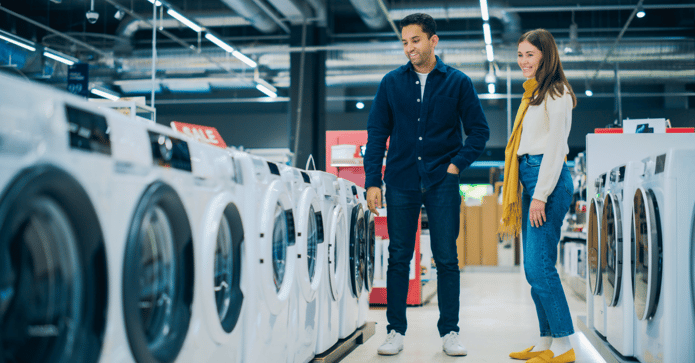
x=201, y=133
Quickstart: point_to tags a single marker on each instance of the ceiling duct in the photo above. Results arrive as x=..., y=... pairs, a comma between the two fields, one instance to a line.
x=253, y=13
x=370, y=13
x=296, y=11
x=128, y=28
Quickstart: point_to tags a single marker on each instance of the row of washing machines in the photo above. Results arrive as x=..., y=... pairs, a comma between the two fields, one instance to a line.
x=641, y=257
x=124, y=241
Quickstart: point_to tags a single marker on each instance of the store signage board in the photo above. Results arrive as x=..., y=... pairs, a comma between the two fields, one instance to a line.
x=201, y=133
x=644, y=126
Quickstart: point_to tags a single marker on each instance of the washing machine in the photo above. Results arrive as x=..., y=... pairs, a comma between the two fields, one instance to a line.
x=217, y=201
x=367, y=255
x=56, y=161
x=596, y=304
x=615, y=251
x=334, y=279
x=311, y=259
x=356, y=234
x=271, y=269
x=661, y=251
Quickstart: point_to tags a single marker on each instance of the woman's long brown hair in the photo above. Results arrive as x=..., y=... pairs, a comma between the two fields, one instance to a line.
x=549, y=75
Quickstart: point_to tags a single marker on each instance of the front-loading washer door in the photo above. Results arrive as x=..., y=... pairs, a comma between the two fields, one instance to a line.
x=53, y=288
x=310, y=246
x=646, y=253
x=357, y=235
x=158, y=276
x=594, y=245
x=335, y=252
x=370, y=249
x=227, y=268
x=611, y=249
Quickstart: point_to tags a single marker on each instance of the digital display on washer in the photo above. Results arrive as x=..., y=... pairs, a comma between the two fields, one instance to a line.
x=660, y=164
x=170, y=152
x=88, y=131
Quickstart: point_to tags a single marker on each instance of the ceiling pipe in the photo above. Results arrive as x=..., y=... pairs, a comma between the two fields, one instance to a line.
x=129, y=27
x=296, y=11
x=253, y=13
x=370, y=13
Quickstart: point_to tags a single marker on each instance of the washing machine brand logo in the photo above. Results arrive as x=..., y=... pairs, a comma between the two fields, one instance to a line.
x=88, y=131
x=170, y=152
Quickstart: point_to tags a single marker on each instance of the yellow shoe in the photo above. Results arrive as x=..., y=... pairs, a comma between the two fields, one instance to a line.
x=547, y=356
x=525, y=354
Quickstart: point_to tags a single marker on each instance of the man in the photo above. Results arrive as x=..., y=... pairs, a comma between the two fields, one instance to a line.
x=422, y=106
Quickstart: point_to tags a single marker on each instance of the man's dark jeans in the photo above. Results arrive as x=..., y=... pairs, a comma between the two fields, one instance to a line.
x=443, y=203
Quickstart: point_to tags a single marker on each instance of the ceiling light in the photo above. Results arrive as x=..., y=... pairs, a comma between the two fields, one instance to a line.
x=92, y=16
x=16, y=42
x=573, y=46
x=589, y=92
x=640, y=11
x=62, y=58
x=267, y=91
x=359, y=105
x=490, y=54
x=486, y=33
x=105, y=93
x=249, y=62
x=483, y=10
x=184, y=20
x=119, y=14
x=491, y=88
x=158, y=3
x=219, y=42
x=491, y=79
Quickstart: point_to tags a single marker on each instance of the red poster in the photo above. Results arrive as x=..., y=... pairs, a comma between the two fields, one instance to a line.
x=201, y=133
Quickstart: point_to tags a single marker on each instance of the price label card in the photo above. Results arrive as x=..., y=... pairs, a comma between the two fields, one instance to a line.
x=201, y=133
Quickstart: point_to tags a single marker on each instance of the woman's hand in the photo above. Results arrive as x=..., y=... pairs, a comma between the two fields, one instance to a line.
x=536, y=213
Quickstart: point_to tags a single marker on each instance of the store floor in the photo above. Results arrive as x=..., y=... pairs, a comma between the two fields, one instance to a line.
x=497, y=317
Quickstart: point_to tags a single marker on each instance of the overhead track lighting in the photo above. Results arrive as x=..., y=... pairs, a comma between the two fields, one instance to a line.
x=490, y=53
x=640, y=11
x=266, y=90
x=184, y=20
x=60, y=57
x=487, y=34
x=8, y=37
x=491, y=79
x=157, y=3
x=105, y=93
x=249, y=62
x=219, y=42
x=484, y=11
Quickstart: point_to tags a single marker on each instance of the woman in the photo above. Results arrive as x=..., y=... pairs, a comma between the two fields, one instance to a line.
x=535, y=157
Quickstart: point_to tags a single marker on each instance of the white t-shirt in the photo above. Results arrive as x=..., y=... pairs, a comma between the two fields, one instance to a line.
x=423, y=79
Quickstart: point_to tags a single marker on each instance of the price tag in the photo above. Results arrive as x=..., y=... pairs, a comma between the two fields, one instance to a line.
x=201, y=133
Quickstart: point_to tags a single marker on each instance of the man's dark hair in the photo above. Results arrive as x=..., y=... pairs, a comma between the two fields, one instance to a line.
x=425, y=21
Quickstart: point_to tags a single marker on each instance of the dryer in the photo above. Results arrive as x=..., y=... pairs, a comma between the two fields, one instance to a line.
x=596, y=304
x=272, y=268
x=615, y=273
x=334, y=279
x=356, y=234
x=311, y=259
x=664, y=198
x=217, y=200
x=367, y=255
x=56, y=161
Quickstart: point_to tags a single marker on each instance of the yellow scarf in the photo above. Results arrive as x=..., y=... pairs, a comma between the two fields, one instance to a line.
x=511, y=215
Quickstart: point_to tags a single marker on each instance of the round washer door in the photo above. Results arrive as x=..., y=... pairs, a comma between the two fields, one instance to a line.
x=311, y=248
x=370, y=249
x=357, y=236
x=611, y=249
x=53, y=281
x=594, y=245
x=158, y=276
x=335, y=252
x=646, y=253
x=276, y=244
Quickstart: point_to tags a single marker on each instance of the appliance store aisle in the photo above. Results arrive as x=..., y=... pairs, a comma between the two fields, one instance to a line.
x=497, y=317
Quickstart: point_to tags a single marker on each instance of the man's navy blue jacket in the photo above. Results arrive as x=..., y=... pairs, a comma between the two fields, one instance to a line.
x=426, y=134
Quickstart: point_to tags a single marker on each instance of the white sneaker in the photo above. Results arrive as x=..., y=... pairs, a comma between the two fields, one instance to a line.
x=392, y=345
x=451, y=344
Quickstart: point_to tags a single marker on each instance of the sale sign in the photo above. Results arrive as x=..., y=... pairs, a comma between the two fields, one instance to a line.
x=201, y=133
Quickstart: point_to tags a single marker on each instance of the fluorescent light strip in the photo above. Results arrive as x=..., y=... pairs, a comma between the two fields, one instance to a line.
x=265, y=90
x=158, y=3
x=491, y=88
x=249, y=62
x=18, y=43
x=58, y=58
x=490, y=54
x=486, y=33
x=101, y=93
x=484, y=11
x=219, y=43
x=184, y=20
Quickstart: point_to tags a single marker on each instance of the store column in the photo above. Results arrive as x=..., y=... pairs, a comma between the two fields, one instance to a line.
x=307, y=118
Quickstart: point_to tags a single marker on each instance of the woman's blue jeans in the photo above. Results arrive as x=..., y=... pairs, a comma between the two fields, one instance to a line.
x=540, y=248
x=443, y=204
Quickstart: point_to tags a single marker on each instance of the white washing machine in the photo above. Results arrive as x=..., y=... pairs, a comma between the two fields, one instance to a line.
x=356, y=234
x=218, y=233
x=311, y=259
x=271, y=270
x=662, y=204
x=615, y=236
x=367, y=255
x=596, y=304
x=334, y=279
x=56, y=164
